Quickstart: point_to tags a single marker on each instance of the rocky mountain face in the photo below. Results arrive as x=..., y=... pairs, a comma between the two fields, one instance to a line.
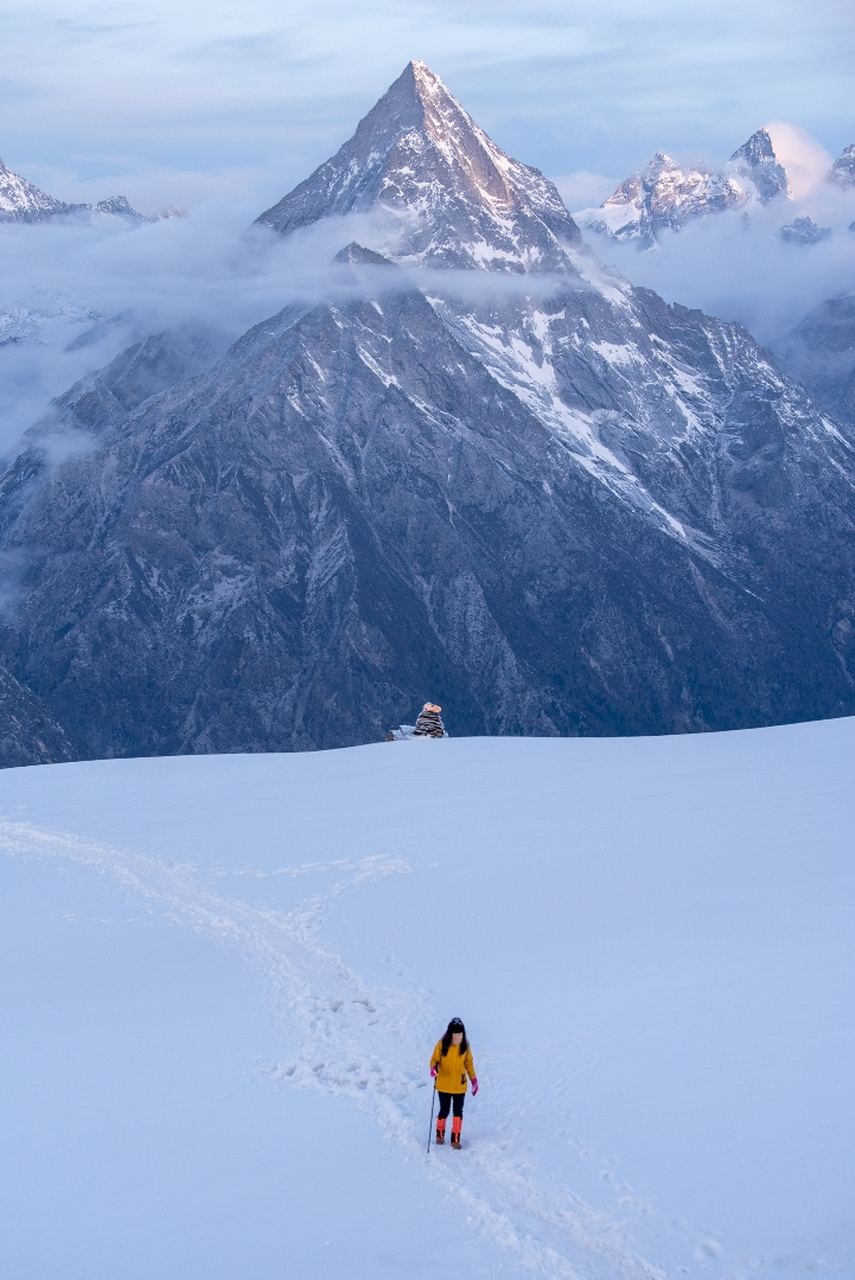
x=522, y=489
x=843, y=170
x=667, y=195
x=804, y=231
x=444, y=191
x=754, y=166
x=20, y=201
x=820, y=354
x=28, y=733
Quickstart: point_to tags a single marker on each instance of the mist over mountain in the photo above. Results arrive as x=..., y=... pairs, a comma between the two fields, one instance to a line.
x=667, y=195
x=820, y=354
x=843, y=170
x=482, y=469
x=21, y=201
x=460, y=201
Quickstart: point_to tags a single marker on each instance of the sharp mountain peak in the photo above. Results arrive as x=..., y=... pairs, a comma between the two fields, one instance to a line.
x=458, y=200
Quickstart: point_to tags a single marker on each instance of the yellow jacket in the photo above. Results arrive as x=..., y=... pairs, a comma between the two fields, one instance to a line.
x=452, y=1070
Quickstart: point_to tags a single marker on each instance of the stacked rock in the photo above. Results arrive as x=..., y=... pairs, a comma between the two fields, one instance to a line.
x=429, y=723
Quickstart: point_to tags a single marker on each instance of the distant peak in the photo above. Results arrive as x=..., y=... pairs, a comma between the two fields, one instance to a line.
x=420, y=157
x=843, y=170
x=427, y=81
x=357, y=255
x=661, y=162
x=757, y=148
x=415, y=95
x=756, y=160
x=422, y=74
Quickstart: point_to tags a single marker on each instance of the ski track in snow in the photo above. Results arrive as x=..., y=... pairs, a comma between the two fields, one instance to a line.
x=368, y=1044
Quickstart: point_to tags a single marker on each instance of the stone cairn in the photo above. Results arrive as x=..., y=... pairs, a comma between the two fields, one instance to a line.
x=429, y=723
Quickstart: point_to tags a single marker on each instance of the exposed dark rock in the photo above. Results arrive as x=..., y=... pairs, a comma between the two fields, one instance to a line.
x=560, y=506
x=820, y=354
x=804, y=231
x=28, y=733
x=843, y=170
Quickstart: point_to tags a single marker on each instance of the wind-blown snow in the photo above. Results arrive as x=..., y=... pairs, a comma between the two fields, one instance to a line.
x=650, y=941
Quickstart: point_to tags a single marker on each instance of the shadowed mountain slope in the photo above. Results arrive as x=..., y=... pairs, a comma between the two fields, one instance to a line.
x=551, y=503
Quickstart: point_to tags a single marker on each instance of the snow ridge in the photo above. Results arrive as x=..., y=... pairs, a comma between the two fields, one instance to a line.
x=667, y=194
x=365, y=1043
x=21, y=201
x=454, y=198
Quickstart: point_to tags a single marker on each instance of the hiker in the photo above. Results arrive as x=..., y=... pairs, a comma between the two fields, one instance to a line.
x=450, y=1064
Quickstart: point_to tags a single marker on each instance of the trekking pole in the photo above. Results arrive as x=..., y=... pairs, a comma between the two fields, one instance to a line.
x=432, y=1105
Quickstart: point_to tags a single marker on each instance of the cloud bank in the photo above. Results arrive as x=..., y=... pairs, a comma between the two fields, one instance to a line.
x=806, y=161
x=74, y=295
x=736, y=266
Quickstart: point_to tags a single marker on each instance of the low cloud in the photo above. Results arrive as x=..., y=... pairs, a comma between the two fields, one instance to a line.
x=806, y=161
x=735, y=265
x=62, y=280
x=151, y=188
x=74, y=295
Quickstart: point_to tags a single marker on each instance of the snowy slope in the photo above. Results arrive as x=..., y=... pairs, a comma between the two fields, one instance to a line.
x=224, y=975
x=526, y=475
x=441, y=191
x=667, y=194
x=20, y=201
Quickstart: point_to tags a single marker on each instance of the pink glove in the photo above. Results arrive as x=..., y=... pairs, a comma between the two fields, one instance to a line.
x=474, y=1086
x=433, y=1073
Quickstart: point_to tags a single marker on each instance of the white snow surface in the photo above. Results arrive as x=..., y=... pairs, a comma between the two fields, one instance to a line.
x=223, y=977
x=19, y=198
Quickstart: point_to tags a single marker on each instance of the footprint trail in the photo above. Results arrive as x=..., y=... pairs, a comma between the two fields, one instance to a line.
x=345, y=1037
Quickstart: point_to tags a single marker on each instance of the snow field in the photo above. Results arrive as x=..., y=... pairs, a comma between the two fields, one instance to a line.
x=650, y=941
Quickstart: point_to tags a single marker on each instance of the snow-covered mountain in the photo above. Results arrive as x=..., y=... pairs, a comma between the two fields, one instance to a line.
x=667, y=194
x=522, y=488
x=843, y=170
x=20, y=201
x=804, y=231
x=755, y=169
x=454, y=198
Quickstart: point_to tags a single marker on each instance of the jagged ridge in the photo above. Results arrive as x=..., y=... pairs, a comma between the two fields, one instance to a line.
x=21, y=201
x=455, y=198
x=578, y=511
x=667, y=195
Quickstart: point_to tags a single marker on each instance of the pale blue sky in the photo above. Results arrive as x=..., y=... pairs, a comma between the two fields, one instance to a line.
x=173, y=100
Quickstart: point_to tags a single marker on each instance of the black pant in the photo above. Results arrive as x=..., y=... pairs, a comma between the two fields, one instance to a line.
x=445, y=1103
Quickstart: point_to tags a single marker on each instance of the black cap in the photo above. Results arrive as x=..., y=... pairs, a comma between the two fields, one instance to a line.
x=456, y=1024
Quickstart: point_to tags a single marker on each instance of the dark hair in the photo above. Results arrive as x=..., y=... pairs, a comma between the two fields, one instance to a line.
x=454, y=1026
